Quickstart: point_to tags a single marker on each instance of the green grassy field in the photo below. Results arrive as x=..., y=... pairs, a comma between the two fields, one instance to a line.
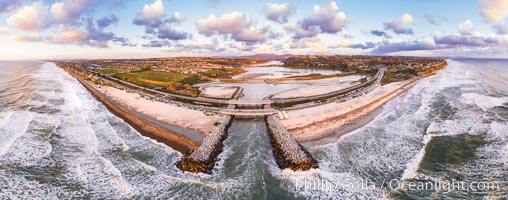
x=155, y=76
x=166, y=81
x=223, y=73
x=174, y=82
x=111, y=71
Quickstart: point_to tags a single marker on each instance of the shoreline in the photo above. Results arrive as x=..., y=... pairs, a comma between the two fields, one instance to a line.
x=196, y=124
x=331, y=128
x=143, y=124
x=337, y=133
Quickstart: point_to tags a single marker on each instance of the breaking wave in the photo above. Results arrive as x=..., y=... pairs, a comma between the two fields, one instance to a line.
x=58, y=142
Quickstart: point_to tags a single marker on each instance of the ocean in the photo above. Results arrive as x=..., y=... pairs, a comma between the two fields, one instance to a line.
x=448, y=133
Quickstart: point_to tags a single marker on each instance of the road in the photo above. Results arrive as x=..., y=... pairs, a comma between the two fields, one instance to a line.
x=363, y=88
x=248, y=112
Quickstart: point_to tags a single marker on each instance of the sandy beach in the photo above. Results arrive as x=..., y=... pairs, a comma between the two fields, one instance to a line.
x=173, y=136
x=172, y=114
x=318, y=125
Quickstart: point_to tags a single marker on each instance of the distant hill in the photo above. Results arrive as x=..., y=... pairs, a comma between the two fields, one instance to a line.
x=264, y=56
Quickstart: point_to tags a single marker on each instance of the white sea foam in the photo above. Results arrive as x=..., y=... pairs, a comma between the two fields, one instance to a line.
x=16, y=126
x=208, y=184
x=108, y=137
x=223, y=156
x=4, y=117
x=125, y=148
x=499, y=132
x=395, y=140
x=108, y=166
x=112, y=170
x=15, y=186
x=90, y=166
x=464, y=122
x=500, y=129
x=483, y=101
x=392, y=145
x=412, y=167
x=34, y=145
x=146, y=167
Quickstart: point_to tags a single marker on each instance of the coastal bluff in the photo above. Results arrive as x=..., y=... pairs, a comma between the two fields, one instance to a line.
x=287, y=151
x=202, y=159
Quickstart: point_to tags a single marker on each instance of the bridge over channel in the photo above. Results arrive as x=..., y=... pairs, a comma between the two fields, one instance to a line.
x=248, y=112
x=249, y=102
x=242, y=107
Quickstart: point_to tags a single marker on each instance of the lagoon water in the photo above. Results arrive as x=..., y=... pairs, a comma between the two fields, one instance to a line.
x=280, y=72
x=255, y=90
x=58, y=142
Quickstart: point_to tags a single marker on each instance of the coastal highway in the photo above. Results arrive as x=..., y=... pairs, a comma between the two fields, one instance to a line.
x=163, y=100
x=199, y=99
x=354, y=91
x=248, y=112
x=229, y=111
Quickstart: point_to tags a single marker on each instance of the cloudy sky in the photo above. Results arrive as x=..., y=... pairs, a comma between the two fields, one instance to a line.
x=61, y=29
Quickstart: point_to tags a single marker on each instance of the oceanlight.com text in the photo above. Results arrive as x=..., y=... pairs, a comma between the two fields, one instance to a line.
x=325, y=185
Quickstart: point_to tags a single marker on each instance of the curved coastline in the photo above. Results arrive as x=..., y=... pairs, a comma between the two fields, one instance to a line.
x=348, y=121
x=322, y=131
x=140, y=123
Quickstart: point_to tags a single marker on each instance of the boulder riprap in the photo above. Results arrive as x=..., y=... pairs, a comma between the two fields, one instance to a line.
x=287, y=151
x=202, y=159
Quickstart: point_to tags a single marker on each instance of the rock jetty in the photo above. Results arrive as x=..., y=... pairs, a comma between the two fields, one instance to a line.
x=202, y=159
x=287, y=151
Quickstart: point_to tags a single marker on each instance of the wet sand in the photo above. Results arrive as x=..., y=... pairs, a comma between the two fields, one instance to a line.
x=335, y=134
x=143, y=124
x=334, y=120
